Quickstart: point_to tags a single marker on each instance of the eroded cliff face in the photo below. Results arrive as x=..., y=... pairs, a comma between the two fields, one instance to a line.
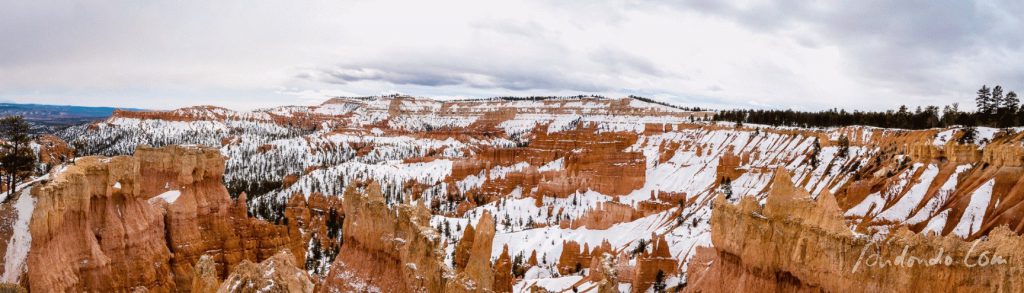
x=390, y=250
x=276, y=274
x=394, y=249
x=128, y=223
x=613, y=185
x=92, y=230
x=796, y=243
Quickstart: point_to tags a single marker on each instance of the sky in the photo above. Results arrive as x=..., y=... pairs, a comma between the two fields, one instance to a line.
x=804, y=55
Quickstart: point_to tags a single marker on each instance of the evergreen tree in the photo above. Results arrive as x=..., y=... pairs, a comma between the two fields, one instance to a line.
x=641, y=246
x=844, y=146
x=659, y=282
x=16, y=157
x=968, y=136
x=726, y=186
x=984, y=100
x=815, y=151
x=997, y=97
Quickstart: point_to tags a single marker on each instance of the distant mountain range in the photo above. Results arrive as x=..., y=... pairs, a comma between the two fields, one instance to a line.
x=49, y=118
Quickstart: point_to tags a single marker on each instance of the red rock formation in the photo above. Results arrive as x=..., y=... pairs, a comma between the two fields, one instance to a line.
x=89, y=236
x=571, y=260
x=605, y=215
x=648, y=265
x=385, y=249
x=204, y=278
x=728, y=166
x=503, y=272
x=533, y=258
x=114, y=224
x=798, y=244
x=478, y=276
x=276, y=274
x=53, y=150
x=603, y=272
x=462, y=249
x=591, y=160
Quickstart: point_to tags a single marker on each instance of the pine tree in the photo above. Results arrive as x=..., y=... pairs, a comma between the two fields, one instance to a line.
x=659, y=281
x=984, y=100
x=997, y=97
x=968, y=136
x=16, y=157
x=726, y=186
x=641, y=246
x=815, y=151
x=844, y=146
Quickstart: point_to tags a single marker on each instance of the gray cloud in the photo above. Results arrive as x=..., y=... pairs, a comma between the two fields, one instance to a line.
x=616, y=60
x=479, y=74
x=784, y=53
x=910, y=45
x=440, y=76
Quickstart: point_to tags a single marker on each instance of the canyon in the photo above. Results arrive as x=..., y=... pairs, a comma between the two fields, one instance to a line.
x=585, y=194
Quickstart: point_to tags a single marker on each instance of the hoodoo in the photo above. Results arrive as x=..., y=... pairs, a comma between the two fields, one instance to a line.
x=141, y=221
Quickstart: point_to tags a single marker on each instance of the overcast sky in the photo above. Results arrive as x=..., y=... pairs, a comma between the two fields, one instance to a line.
x=762, y=54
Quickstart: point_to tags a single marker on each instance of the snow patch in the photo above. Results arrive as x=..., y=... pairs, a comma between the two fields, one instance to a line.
x=169, y=196
x=970, y=222
x=21, y=239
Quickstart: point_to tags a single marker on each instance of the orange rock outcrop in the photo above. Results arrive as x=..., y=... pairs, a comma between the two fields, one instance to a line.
x=142, y=221
x=799, y=244
x=651, y=264
x=385, y=249
x=503, y=272
x=276, y=274
x=478, y=276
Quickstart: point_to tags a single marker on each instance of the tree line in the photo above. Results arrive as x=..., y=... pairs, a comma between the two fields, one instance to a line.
x=994, y=109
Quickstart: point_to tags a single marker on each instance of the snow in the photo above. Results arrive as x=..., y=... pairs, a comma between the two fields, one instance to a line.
x=901, y=210
x=936, y=224
x=169, y=196
x=970, y=222
x=21, y=239
x=876, y=201
x=939, y=199
x=551, y=284
x=555, y=165
x=547, y=241
x=25, y=185
x=942, y=138
x=984, y=135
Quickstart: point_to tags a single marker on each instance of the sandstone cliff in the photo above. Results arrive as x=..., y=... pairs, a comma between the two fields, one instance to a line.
x=126, y=223
x=560, y=177
x=276, y=274
x=795, y=243
x=385, y=249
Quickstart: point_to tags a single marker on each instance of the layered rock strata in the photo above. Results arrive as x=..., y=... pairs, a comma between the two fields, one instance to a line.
x=799, y=244
x=386, y=250
x=142, y=221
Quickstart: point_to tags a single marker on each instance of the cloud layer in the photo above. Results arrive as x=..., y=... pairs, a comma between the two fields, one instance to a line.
x=248, y=54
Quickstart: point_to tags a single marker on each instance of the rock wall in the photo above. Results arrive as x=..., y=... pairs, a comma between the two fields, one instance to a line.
x=798, y=244
x=89, y=235
x=385, y=249
x=276, y=274
x=142, y=221
x=503, y=271
x=650, y=265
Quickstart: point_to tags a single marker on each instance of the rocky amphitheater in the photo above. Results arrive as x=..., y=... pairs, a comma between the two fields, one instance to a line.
x=577, y=194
